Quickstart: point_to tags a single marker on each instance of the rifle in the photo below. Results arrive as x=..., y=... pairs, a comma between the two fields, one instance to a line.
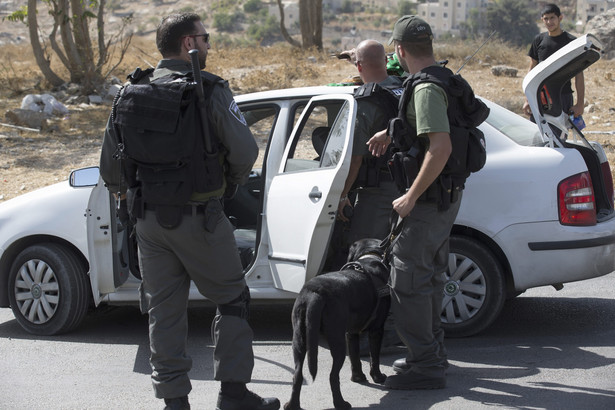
x=211, y=154
x=198, y=82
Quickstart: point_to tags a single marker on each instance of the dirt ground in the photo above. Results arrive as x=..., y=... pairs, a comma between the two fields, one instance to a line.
x=31, y=159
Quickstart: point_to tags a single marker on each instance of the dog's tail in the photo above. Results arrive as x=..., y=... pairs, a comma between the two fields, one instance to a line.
x=313, y=320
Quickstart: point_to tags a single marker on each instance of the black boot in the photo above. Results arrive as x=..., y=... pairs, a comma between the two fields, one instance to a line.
x=177, y=403
x=249, y=401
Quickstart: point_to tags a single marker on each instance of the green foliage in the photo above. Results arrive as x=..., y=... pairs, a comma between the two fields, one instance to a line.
x=266, y=32
x=567, y=25
x=513, y=20
x=186, y=9
x=404, y=7
x=252, y=6
x=20, y=15
x=228, y=22
x=114, y=5
x=224, y=5
x=347, y=7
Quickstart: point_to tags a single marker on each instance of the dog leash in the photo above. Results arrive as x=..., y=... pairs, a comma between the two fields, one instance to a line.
x=389, y=242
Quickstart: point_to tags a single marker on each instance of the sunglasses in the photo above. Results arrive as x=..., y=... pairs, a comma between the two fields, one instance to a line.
x=205, y=36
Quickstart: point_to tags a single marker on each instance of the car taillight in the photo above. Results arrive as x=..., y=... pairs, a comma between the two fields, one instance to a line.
x=608, y=180
x=577, y=205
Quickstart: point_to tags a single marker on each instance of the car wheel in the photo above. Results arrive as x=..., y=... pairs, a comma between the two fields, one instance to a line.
x=49, y=289
x=474, y=291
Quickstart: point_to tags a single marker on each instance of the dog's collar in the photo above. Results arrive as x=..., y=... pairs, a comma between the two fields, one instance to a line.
x=370, y=255
x=356, y=266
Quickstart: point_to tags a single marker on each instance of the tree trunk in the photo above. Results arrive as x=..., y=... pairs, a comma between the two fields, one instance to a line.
x=285, y=34
x=37, y=49
x=102, y=48
x=70, y=48
x=310, y=16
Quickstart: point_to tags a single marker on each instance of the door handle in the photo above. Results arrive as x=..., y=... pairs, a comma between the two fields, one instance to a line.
x=315, y=193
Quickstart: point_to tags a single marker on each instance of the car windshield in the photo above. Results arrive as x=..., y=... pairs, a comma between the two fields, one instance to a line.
x=515, y=127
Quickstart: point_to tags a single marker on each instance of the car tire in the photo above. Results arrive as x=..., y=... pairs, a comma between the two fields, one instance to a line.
x=474, y=291
x=49, y=290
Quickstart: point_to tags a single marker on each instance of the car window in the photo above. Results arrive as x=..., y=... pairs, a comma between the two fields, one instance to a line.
x=308, y=147
x=515, y=127
x=337, y=136
x=261, y=121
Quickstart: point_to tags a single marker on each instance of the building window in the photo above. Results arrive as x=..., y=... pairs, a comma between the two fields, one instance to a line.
x=433, y=14
x=446, y=4
x=445, y=15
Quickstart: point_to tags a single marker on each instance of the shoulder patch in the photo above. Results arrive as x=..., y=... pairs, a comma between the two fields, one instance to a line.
x=236, y=112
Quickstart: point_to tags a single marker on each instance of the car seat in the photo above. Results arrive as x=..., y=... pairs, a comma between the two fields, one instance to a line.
x=319, y=139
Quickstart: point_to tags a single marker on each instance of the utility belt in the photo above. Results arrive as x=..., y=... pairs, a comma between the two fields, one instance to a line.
x=371, y=177
x=170, y=216
x=444, y=191
x=188, y=209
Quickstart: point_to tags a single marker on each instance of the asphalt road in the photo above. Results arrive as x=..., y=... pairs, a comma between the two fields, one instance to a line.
x=547, y=350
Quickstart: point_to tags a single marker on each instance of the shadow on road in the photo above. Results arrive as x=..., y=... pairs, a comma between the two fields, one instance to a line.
x=529, y=358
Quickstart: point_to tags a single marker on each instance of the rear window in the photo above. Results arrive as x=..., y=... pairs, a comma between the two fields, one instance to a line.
x=515, y=127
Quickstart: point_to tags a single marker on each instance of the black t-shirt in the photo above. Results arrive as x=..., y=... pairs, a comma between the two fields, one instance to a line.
x=544, y=45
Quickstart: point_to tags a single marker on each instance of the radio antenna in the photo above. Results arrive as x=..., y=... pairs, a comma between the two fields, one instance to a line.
x=477, y=50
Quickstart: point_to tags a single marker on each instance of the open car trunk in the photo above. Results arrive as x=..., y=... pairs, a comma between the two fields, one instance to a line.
x=543, y=86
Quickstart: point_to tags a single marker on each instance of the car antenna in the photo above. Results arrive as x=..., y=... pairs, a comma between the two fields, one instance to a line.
x=477, y=50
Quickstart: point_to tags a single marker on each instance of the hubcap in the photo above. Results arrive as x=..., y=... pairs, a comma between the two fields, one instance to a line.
x=465, y=290
x=37, y=291
x=451, y=288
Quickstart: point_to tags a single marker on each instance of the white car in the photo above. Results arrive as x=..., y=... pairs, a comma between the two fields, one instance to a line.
x=539, y=213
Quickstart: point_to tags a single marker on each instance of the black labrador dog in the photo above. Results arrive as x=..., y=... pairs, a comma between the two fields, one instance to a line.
x=341, y=305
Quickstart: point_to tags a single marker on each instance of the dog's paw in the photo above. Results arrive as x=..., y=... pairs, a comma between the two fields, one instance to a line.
x=342, y=405
x=378, y=378
x=358, y=378
x=292, y=406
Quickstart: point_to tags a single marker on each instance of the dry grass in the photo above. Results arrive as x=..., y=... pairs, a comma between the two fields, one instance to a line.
x=30, y=160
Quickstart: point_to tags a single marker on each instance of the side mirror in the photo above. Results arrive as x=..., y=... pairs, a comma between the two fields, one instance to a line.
x=84, y=177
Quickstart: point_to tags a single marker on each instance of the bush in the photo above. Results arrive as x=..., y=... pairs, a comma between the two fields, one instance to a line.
x=265, y=32
x=405, y=7
x=228, y=22
x=252, y=6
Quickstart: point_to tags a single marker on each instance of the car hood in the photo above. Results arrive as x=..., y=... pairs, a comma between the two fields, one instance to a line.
x=57, y=211
x=543, y=84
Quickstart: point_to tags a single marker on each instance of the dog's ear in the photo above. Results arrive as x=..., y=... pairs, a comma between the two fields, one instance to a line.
x=352, y=252
x=363, y=247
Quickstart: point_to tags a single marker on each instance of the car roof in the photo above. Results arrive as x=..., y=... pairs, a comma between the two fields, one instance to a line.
x=294, y=93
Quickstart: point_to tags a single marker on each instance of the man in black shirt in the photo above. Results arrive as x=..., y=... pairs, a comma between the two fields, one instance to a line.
x=547, y=43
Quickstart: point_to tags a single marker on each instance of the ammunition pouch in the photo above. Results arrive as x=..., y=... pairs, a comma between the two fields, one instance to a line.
x=239, y=307
x=444, y=191
x=401, y=133
x=404, y=167
x=373, y=171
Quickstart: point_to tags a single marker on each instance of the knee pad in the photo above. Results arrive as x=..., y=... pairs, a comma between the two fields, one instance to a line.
x=239, y=306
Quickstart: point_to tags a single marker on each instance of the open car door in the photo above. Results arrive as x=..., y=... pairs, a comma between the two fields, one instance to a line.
x=108, y=244
x=303, y=196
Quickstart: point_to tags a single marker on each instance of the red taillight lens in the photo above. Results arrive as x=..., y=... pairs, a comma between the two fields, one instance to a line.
x=576, y=200
x=608, y=180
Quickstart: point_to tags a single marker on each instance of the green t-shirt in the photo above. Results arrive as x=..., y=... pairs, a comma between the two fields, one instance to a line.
x=427, y=109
